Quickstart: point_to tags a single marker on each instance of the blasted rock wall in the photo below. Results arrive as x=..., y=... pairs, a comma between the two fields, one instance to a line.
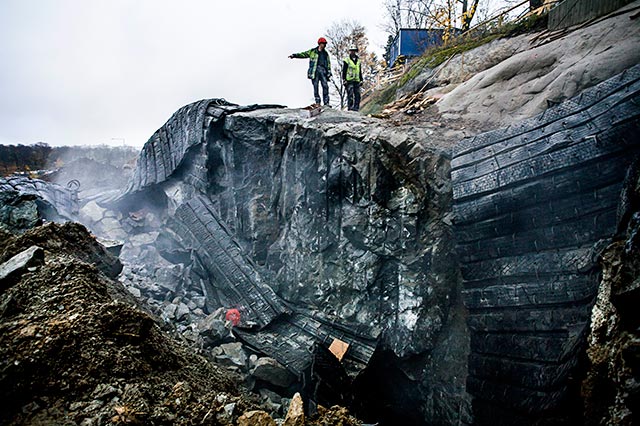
x=535, y=203
x=166, y=150
x=344, y=216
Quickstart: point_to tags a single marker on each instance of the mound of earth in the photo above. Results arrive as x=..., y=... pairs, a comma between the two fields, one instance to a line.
x=77, y=348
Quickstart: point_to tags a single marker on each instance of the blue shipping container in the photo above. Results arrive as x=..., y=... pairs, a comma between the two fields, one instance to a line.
x=411, y=42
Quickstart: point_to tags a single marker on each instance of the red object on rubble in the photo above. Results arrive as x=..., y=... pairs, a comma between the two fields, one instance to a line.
x=233, y=315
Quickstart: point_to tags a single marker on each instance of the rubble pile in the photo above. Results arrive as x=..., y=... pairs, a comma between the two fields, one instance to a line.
x=75, y=345
x=77, y=348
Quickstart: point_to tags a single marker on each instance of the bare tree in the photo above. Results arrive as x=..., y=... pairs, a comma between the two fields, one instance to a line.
x=342, y=35
x=443, y=14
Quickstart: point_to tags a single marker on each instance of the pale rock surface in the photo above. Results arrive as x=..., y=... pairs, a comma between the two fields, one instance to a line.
x=524, y=84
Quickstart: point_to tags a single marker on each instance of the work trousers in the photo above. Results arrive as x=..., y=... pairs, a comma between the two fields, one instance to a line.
x=321, y=77
x=353, y=95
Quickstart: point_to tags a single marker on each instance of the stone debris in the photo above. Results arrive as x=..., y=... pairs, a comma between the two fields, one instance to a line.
x=256, y=418
x=116, y=364
x=92, y=212
x=232, y=354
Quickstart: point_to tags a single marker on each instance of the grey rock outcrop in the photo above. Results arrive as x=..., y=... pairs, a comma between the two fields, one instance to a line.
x=549, y=70
x=18, y=212
x=271, y=371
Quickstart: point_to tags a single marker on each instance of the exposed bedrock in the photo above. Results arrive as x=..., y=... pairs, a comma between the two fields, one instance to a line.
x=332, y=228
x=535, y=205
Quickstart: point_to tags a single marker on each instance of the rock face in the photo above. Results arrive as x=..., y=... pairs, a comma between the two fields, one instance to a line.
x=337, y=231
x=346, y=219
x=535, y=204
x=271, y=371
x=314, y=230
x=295, y=415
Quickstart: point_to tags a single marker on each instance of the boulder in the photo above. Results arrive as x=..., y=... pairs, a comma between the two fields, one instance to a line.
x=19, y=263
x=113, y=246
x=111, y=228
x=271, y=371
x=181, y=311
x=212, y=329
x=169, y=277
x=144, y=238
x=169, y=311
x=18, y=212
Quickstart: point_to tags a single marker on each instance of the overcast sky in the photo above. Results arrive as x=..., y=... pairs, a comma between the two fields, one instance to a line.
x=96, y=71
x=87, y=71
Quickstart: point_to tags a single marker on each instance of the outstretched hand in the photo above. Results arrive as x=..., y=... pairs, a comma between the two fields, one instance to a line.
x=290, y=56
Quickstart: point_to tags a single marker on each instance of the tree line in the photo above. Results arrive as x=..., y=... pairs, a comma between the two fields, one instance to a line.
x=41, y=156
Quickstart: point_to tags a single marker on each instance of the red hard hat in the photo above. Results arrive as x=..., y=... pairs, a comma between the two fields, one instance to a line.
x=322, y=40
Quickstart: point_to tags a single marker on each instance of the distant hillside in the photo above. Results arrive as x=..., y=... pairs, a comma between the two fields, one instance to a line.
x=40, y=156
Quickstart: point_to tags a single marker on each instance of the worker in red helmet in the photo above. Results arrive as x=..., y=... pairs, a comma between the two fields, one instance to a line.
x=319, y=69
